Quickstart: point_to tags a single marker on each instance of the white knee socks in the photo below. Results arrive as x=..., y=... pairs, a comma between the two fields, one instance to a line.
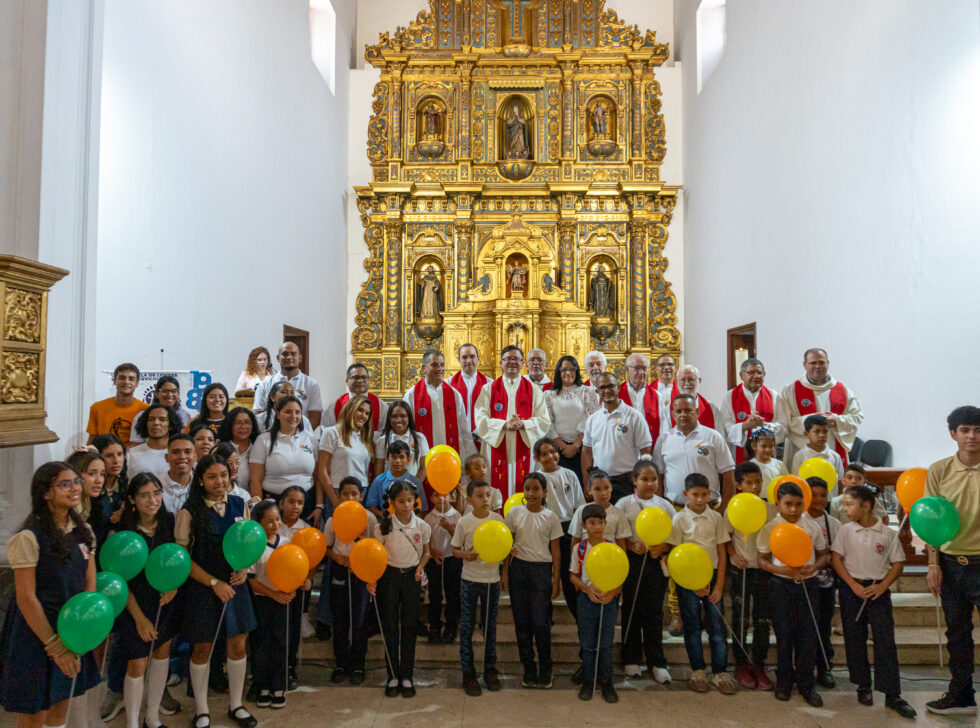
x=156, y=683
x=236, y=682
x=133, y=700
x=199, y=681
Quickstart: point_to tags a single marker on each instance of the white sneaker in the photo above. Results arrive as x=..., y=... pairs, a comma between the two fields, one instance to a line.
x=633, y=671
x=661, y=675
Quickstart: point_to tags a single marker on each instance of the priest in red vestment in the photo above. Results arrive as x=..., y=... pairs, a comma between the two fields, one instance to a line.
x=749, y=405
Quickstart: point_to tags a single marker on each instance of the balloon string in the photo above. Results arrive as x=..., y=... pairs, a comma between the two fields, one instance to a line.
x=486, y=626
x=727, y=626
x=745, y=578
x=287, y=605
x=224, y=606
x=149, y=656
x=71, y=696
x=598, y=642
x=939, y=633
x=884, y=561
x=816, y=627
x=384, y=640
x=350, y=609
x=636, y=593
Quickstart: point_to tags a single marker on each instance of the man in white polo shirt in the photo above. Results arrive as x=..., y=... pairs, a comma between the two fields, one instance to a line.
x=615, y=437
x=690, y=447
x=306, y=387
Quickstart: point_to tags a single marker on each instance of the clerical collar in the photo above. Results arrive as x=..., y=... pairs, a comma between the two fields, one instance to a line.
x=434, y=386
x=819, y=384
x=512, y=380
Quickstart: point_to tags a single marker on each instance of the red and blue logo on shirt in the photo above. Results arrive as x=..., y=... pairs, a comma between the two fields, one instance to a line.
x=703, y=449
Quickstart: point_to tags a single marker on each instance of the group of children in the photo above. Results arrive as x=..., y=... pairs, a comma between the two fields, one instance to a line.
x=554, y=530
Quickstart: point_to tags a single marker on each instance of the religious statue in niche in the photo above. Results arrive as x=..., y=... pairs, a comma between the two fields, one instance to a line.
x=429, y=303
x=601, y=118
x=432, y=126
x=517, y=273
x=518, y=143
x=602, y=294
x=599, y=123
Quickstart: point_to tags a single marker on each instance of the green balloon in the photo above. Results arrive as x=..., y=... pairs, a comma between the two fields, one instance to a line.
x=114, y=588
x=85, y=621
x=124, y=553
x=168, y=567
x=243, y=544
x=935, y=520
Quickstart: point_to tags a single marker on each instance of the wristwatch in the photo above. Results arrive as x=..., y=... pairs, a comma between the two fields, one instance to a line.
x=212, y=582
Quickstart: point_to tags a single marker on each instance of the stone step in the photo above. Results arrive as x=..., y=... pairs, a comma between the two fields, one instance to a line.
x=916, y=646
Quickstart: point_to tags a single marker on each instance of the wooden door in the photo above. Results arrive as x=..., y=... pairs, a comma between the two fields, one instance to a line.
x=741, y=346
x=301, y=338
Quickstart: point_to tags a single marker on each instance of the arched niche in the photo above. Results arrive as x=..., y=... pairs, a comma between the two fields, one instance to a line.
x=515, y=113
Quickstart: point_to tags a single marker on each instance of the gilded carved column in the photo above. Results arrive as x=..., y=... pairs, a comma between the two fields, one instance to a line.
x=396, y=109
x=393, y=282
x=638, y=250
x=567, y=111
x=464, y=247
x=566, y=250
x=636, y=107
x=465, y=69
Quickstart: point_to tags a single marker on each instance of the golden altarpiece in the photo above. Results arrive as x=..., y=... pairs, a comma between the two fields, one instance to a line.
x=515, y=148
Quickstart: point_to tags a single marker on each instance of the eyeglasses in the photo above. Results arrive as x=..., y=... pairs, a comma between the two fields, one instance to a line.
x=605, y=386
x=168, y=390
x=568, y=370
x=360, y=378
x=68, y=484
x=512, y=360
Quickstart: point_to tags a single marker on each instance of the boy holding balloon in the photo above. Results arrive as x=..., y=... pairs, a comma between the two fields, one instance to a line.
x=793, y=549
x=816, y=430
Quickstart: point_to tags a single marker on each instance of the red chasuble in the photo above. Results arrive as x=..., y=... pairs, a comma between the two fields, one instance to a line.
x=523, y=407
x=459, y=385
x=806, y=404
x=375, y=408
x=651, y=407
x=423, y=413
x=742, y=410
x=706, y=416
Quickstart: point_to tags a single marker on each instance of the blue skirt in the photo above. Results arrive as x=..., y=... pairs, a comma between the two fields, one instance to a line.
x=30, y=681
x=128, y=639
x=202, y=610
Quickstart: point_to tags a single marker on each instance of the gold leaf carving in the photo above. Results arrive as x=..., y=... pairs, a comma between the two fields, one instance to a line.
x=22, y=319
x=20, y=376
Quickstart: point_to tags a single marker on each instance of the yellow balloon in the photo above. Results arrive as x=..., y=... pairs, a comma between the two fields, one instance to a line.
x=771, y=489
x=747, y=513
x=820, y=468
x=492, y=541
x=690, y=566
x=607, y=566
x=515, y=500
x=438, y=449
x=653, y=526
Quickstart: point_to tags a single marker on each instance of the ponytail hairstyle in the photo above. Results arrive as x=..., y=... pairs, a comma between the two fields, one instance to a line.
x=270, y=402
x=261, y=508
x=274, y=430
x=597, y=474
x=205, y=414
x=196, y=493
x=345, y=423
x=42, y=520
x=100, y=443
x=862, y=493
x=540, y=443
x=759, y=433
x=645, y=461
x=130, y=516
x=536, y=476
x=413, y=433
x=399, y=486
x=79, y=462
x=285, y=494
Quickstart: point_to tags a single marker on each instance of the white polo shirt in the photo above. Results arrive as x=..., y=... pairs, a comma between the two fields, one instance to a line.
x=703, y=451
x=441, y=541
x=807, y=524
x=745, y=546
x=565, y=493
x=533, y=533
x=143, y=459
x=617, y=525
x=342, y=548
x=354, y=460
x=291, y=462
x=307, y=390
x=868, y=552
x=632, y=505
x=477, y=570
x=616, y=438
x=706, y=529
x=406, y=542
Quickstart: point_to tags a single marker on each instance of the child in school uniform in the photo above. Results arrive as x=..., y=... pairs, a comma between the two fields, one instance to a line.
x=826, y=579
x=53, y=560
x=753, y=608
x=292, y=501
x=617, y=525
x=868, y=558
x=479, y=590
x=816, y=431
x=475, y=468
x=215, y=595
x=397, y=459
x=269, y=639
x=760, y=446
x=699, y=524
x=564, y=496
x=854, y=476
x=791, y=594
x=643, y=631
x=348, y=602
x=596, y=611
x=406, y=539
x=95, y=505
x=139, y=626
x=443, y=570
x=531, y=575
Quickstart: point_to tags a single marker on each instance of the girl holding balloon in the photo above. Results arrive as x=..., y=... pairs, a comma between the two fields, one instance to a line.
x=760, y=446
x=138, y=627
x=405, y=537
x=217, y=602
x=291, y=504
x=52, y=559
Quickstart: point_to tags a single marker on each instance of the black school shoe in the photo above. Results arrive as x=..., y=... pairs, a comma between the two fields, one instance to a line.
x=264, y=699
x=825, y=679
x=435, y=634
x=492, y=680
x=585, y=692
x=323, y=631
x=578, y=677
x=609, y=692
x=865, y=697
x=408, y=691
x=530, y=679
x=898, y=704
x=356, y=676
x=544, y=680
x=782, y=693
x=241, y=716
x=449, y=635
x=292, y=682
x=393, y=691
x=950, y=704
x=812, y=699
x=338, y=676
x=278, y=700
x=472, y=686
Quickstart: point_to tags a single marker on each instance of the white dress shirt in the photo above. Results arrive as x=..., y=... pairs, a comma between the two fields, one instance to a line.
x=616, y=438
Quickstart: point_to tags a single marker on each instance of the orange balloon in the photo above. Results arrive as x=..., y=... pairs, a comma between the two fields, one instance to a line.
x=313, y=542
x=368, y=560
x=288, y=567
x=910, y=487
x=791, y=544
x=797, y=481
x=349, y=521
x=443, y=471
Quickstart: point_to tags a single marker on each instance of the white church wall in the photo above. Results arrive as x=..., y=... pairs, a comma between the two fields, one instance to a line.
x=831, y=197
x=223, y=185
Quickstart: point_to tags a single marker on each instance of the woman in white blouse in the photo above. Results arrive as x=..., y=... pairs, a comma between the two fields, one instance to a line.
x=346, y=448
x=241, y=430
x=569, y=404
x=285, y=456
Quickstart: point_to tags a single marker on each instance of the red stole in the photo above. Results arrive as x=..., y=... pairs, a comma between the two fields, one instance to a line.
x=375, y=408
x=706, y=416
x=423, y=413
x=460, y=386
x=742, y=409
x=523, y=407
x=806, y=404
x=651, y=406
